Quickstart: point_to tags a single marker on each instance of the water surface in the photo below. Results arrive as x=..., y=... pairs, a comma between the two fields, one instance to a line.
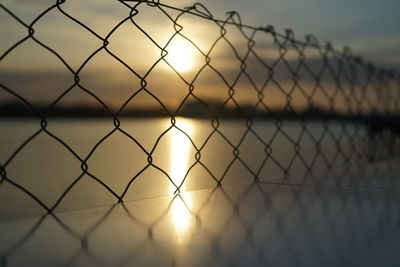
x=145, y=158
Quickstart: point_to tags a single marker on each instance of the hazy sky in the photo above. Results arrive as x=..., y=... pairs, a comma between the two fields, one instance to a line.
x=369, y=27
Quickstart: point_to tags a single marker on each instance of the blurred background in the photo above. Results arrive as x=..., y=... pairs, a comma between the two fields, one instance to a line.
x=103, y=102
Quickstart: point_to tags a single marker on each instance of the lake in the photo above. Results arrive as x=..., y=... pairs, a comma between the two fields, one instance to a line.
x=146, y=158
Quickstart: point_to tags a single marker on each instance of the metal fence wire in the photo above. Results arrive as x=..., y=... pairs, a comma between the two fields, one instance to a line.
x=331, y=242
x=261, y=76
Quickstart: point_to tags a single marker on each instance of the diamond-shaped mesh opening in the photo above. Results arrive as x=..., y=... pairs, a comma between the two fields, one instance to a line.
x=11, y=28
x=17, y=137
x=224, y=61
x=203, y=33
x=84, y=189
x=127, y=38
x=84, y=13
x=29, y=168
x=183, y=57
x=127, y=157
x=66, y=41
x=209, y=87
x=161, y=91
x=161, y=30
x=252, y=156
x=103, y=74
x=211, y=160
x=82, y=140
x=34, y=73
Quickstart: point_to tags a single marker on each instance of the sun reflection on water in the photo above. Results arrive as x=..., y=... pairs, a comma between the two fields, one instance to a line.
x=182, y=219
x=180, y=152
x=181, y=148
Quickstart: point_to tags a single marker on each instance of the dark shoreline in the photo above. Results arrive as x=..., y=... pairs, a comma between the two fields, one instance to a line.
x=375, y=122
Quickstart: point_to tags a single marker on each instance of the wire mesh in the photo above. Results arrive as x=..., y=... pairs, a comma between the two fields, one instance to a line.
x=272, y=79
x=259, y=224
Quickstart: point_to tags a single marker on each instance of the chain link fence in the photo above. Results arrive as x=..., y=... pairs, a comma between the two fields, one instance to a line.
x=247, y=103
x=256, y=225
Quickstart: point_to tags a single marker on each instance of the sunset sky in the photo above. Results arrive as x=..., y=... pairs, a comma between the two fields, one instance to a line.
x=370, y=28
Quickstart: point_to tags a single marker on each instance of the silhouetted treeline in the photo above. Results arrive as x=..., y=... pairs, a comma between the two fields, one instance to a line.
x=212, y=109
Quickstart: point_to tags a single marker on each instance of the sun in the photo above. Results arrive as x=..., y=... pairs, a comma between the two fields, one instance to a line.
x=180, y=55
